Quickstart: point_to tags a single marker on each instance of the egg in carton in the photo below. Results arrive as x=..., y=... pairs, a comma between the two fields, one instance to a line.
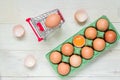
x=46, y=23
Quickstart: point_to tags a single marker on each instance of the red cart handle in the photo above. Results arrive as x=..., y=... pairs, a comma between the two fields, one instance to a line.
x=39, y=38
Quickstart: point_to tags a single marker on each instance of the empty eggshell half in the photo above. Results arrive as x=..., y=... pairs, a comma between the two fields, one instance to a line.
x=18, y=31
x=81, y=16
x=30, y=61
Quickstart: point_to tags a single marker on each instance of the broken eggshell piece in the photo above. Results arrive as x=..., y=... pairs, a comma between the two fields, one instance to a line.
x=30, y=61
x=81, y=16
x=18, y=31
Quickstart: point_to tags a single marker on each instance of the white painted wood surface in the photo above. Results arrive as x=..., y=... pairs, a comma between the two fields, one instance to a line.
x=13, y=50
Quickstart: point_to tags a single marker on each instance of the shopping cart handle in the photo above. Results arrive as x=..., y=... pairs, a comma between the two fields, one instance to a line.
x=40, y=26
x=39, y=38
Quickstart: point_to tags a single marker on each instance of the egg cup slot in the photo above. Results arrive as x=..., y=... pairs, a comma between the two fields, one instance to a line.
x=77, y=50
x=88, y=42
x=65, y=59
x=100, y=34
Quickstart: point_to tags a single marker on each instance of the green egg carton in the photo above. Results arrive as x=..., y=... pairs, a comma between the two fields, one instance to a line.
x=77, y=50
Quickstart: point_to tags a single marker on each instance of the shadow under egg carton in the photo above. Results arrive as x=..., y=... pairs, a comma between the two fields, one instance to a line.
x=77, y=50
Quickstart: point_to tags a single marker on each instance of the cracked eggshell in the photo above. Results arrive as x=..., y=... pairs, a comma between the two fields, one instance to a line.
x=30, y=61
x=18, y=31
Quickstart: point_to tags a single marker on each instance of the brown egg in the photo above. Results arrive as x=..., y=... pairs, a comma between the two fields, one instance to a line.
x=63, y=68
x=87, y=52
x=110, y=36
x=102, y=24
x=75, y=60
x=52, y=20
x=55, y=57
x=90, y=33
x=99, y=44
x=67, y=49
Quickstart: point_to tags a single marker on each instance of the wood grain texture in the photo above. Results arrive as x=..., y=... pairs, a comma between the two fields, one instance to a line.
x=13, y=51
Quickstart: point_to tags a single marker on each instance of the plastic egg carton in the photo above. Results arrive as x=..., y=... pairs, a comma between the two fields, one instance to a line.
x=77, y=50
x=38, y=24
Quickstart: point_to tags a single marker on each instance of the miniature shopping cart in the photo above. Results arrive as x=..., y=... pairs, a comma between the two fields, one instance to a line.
x=38, y=24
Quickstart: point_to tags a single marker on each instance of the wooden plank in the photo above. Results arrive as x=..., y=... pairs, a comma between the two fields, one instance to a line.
x=13, y=50
x=56, y=78
x=9, y=12
x=93, y=7
x=12, y=64
x=29, y=41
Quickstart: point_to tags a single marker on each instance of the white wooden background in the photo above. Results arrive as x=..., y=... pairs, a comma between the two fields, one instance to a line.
x=13, y=50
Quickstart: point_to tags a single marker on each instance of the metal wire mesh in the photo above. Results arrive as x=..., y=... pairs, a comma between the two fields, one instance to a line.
x=41, y=19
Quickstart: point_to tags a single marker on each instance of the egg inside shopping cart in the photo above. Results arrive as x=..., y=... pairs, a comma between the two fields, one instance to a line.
x=46, y=23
